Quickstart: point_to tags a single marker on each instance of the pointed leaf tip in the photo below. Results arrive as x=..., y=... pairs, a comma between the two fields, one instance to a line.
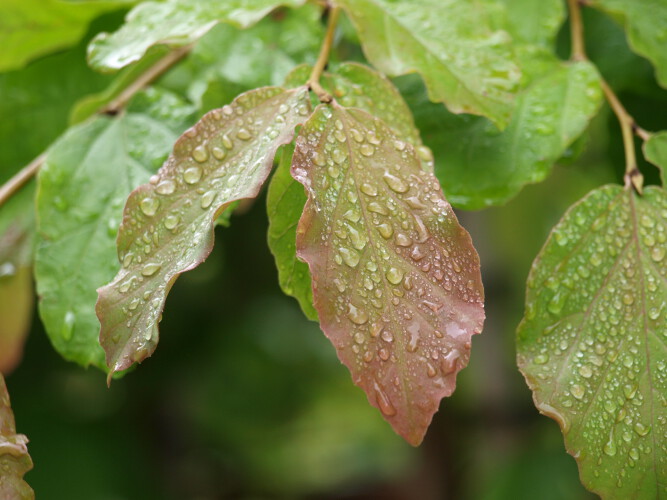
x=396, y=280
x=167, y=226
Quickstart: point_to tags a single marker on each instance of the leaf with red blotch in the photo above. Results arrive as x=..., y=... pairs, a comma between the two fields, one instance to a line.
x=396, y=279
x=167, y=226
x=14, y=458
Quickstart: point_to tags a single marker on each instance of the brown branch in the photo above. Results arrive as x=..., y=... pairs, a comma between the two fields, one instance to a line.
x=323, y=58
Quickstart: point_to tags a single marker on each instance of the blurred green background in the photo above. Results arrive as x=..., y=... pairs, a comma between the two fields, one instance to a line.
x=245, y=398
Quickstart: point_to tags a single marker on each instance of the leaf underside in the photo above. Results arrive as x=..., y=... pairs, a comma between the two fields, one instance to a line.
x=396, y=280
x=175, y=23
x=593, y=343
x=14, y=458
x=167, y=226
x=453, y=45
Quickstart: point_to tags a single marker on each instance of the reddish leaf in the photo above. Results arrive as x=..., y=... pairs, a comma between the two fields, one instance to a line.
x=168, y=223
x=14, y=458
x=396, y=280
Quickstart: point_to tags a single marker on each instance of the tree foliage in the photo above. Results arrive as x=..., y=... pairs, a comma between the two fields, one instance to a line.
x=199, y=101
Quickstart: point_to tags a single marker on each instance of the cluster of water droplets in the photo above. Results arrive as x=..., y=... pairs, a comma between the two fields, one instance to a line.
x=597, y=312
x=168, y=229
x=404, y=280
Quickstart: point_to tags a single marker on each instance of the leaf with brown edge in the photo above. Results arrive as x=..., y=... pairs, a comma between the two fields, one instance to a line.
x=167, y=226
x=396, y=280
x=14, y=458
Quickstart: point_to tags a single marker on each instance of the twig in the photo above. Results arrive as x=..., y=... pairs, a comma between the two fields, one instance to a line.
x=15, y=183
x=323, y=58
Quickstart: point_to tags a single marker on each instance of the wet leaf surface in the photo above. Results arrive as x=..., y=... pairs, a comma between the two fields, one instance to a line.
x=14, y=458
x=592, y=344
x=175, y=23
x=396, y=279
x=82, y=186
x=167, y=226
x=455, y=46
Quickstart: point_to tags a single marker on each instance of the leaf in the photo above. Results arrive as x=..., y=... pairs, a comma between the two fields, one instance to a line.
x=175, y=23
x=534, y=22
x=82, y=185
x=396, y=280
x=167, y=226
x=356, y=86
x=646, y=26
x=14, y=458
x=655, y=151
x=465, y=62
x=33, y=28
x=592, y=342
x=479, y=166
x=285, y=200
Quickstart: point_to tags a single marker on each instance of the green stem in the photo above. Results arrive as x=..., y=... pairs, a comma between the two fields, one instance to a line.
x=323, y=58
x=8, y=189
x=633, y=178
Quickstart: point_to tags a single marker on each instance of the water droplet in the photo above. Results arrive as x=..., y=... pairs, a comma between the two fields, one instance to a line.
x=200, y=154
x=641, y=429
x=610, y=447
x=369, y=189
x=394, y=276
x=192, y=175
x=149, y=206
x=350, y=257
x=319, y=159
x=366, y=149
x=541, y=359
x=385, y=230
x=171, y=221
x=207, y=199
x=68, y=325
x=357, y=315
x=399, y=145
x=383, y=402
x=227, y=142
x=150, y=269
x=585, y=371
x=578, y=391
x=395, y=183
x=243, y=134
x=338, y=156
x=657, y=254
x=166, y=187
x=356, y=135
x=219, y=153
x=403, y=240
x=387, y=336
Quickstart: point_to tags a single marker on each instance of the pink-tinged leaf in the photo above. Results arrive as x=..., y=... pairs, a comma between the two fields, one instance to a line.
x=167, y=226
x=14, y=458
x=16, y=301
x=396, y=279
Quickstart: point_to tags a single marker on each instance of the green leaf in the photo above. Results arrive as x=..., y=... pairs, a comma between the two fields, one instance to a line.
x=534, y=21
x=655, y=151
x=396, y=280
x=82, y=186
x=284, y=202
x=480, y=166
x=14, y=458
x=175, y=23
x=465, y=62
x=592, y=342
x=167, y=226
x=646, y=26
x=33, y=28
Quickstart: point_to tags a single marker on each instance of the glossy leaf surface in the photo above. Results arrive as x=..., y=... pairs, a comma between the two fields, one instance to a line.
x=396, y=279
x=356, y=86
x=465, y=61
x=33, y=28
x=534, y=22
x=14, y=458
x=175, y=23
x=285, y=200
x=167, y=226
x=655, y=151
x=82, y=186
x=646, y=26
x=592, y=342
x=479, y=166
